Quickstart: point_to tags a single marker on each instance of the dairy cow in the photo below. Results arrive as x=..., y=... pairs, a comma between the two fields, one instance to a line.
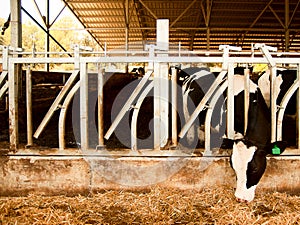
x=249, y=151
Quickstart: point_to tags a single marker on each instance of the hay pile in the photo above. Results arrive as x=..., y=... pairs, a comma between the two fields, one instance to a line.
x=158, y=206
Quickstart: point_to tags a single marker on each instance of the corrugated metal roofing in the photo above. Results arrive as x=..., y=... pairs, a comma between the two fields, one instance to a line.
x=196, y=24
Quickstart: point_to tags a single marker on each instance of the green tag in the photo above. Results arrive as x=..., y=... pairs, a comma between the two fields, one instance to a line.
x=276, y=150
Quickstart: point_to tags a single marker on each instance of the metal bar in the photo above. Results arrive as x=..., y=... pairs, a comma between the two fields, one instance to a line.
x=260, y=14
x=47, y=39
x=84, y=130
x=298, y=105
x=100, y=107
x=39, y=11
x=3, y=89
x=211, y=90
x=56, y=102
x=15, y=23
x=230, y=102
x=173, y=59
x=5, y=58
x=149, y=10
x=63, y=114
x=13, y=107
x=135, y=116
x=182, y=14
x=3, y=76
x=28, y=14
x=83, y=25
x=246, y=97
x=157, y=107
x=273, y=104
x=277, y=17
x=60, y=12
x=128, y=104
x=126, y=12
x=161, y=87
x=202, y=104
x=282, y=107
x=286, y=25
x=14, y=74
x=273, y=72
x=294, y=12
x=208, y=117
x=174, y=104
x=29, y=106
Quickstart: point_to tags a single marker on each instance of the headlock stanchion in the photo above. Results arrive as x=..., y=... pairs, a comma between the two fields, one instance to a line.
x=152, y=56
x=211, y=90
x=273, y=71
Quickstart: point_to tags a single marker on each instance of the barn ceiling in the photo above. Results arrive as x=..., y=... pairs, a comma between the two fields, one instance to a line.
x=195, y=24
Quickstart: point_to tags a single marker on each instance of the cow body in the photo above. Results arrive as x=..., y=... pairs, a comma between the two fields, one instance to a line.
x=249, y=151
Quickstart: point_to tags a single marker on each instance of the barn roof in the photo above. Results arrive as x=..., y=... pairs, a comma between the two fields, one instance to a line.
x=195, y=24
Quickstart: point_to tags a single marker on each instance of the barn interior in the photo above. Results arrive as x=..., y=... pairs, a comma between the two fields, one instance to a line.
x=197, y=33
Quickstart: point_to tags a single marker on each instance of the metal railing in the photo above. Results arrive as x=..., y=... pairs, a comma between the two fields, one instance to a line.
x=228, y=56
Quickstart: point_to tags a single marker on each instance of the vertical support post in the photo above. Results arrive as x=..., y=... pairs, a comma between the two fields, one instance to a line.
x=207, y=38
x=273, y=104
x=14, y=73
x=287, y=21
x=161, y=87
x=47, y=39
x=273, y=72
x=5, y=68
x=15, y=24
x=246, y=97
x=230, y=102
x=84, y=106
x=126, y=29
x=29, y=106
x=298, y=106
x=174, y=107
x=13, y=107
x=100, y=108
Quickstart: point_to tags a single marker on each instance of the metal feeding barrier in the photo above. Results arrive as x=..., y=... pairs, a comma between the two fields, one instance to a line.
x=158, y=58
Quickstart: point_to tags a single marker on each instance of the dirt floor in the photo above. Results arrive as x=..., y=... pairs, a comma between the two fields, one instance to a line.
x=157, y=206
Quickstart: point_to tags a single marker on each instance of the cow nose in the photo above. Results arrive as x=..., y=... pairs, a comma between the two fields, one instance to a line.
x=241, y=200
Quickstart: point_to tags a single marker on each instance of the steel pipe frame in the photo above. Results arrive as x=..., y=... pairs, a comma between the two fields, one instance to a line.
x=14, y=61
x=295, y=87
x=63, y=114
x=135, y=116
x=29, y=106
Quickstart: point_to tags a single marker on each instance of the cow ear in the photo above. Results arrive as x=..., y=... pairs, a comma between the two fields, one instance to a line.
x=276, y=148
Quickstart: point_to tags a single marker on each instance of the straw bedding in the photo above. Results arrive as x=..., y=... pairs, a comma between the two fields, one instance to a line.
x=156, y=206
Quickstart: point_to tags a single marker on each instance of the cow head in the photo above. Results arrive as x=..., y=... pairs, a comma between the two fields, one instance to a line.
x=249, y=164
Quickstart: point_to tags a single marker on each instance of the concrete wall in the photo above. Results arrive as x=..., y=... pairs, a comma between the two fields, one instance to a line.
x=72, y=175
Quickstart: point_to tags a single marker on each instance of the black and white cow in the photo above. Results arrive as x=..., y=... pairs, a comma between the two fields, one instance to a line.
x=249, y=152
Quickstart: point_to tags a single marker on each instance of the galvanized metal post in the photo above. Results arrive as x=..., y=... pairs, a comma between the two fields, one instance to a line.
x=230, y=102
x=47, y=38
x=14, y=73
x=84, y=134
x=29, y=106
x=246, y=97
x=13, y=107
x=126, y=12
x=174, y=107
x=161, y=87
x=273, y=72
x=100, y=108
x=298, y=106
